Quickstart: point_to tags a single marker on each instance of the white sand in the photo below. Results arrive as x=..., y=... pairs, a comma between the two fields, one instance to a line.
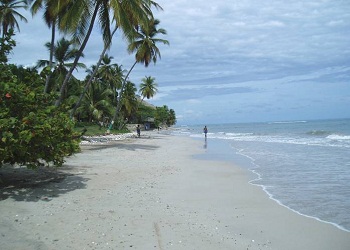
x=149, y=193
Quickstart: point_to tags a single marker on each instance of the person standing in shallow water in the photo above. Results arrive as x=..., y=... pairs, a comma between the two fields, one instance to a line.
x=205, y=130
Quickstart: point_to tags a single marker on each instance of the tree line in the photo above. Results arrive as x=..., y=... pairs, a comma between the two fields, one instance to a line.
x=41, y=105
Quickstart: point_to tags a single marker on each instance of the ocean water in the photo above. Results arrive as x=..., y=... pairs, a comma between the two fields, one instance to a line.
x=302, y=165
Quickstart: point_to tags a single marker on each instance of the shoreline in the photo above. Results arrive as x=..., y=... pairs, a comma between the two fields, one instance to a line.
x=271, y=196
x=246, y=164
x=154, y=193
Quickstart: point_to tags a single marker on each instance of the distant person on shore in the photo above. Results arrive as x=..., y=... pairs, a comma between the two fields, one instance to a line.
x=205, y=130
x=138, y=130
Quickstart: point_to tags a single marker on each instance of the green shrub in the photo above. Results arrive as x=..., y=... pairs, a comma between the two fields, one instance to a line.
x=33, y=132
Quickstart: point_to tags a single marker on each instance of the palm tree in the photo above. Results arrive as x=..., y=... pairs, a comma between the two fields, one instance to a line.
x=103, y=58
x=111, y=75
x=126, y=24
x=53, y=9
x=129, y=99
x=145, y=43
x=127, y=14
x=106, y=72
x=118, y=73
x=172, y=117
x=162, y=114
x=84, y=12
x=9, y=13
x=148, y=87
x=95, y=104
x=64, y=51
x=6, y=46
x=146, y=49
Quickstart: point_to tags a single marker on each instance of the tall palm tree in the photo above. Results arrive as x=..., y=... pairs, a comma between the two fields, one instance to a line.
x=127, y=25
x=69, y=24
x=146, y=49
x=9, y=13
x=103, y=58
x=148, y=87
x=125, y=13
x=52, y=10
x=64, y=51
x=145, y=43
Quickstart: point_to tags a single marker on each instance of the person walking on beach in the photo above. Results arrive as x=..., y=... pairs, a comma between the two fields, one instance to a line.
x=205, y=130
x=138, y=130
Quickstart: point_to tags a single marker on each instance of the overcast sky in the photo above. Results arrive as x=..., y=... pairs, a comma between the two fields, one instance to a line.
x=236, y=61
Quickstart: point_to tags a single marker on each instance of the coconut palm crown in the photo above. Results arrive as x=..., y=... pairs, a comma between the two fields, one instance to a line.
x=9, y=13
x=145, y=42
x=148, y=87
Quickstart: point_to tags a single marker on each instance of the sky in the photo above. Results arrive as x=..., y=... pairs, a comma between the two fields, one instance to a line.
x=233, y=61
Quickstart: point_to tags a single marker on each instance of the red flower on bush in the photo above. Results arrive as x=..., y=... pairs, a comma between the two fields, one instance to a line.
x=8, y=95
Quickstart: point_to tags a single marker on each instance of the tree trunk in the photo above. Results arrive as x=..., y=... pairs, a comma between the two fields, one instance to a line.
x=76, y=60
x=52, y=48
x=87, y=85
x=139, y=103
x=120, y=97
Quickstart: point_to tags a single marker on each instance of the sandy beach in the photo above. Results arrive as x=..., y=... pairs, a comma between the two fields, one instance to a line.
x=150, y=193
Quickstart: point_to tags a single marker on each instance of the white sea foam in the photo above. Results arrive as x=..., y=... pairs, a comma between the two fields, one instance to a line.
x=267, y=188
x=287, y=122
x=340, y=141
x=303, y=166
x=338, y=137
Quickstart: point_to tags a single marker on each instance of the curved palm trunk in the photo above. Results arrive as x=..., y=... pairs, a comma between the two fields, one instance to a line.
x=87, y=85
x=52, y=48
x=138, y=104
x=120, y=97
x=76, y=60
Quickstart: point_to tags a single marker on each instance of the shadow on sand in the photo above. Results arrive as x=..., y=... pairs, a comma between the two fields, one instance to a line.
x=22, y=184
x=119, y=145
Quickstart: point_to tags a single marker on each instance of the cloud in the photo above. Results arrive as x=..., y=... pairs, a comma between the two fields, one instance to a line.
x=236, y=60
x=191, y=93
x=193, y=101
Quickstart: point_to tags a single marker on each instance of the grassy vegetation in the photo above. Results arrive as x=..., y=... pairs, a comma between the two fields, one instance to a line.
x=94, y=129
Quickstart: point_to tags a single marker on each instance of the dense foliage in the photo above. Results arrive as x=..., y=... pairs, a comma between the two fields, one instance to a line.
x=165, y=116
x=33, y=131
x=35, y=126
